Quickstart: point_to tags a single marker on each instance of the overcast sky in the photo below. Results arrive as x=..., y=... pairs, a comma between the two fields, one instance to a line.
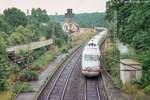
x=53, y=6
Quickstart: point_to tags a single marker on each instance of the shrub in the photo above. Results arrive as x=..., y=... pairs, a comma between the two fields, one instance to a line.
x=147, y=89
x=36, y=67
x=60, y=41
x=124, y=56
x=28, y=75
x=130, y=88
x=65, y=50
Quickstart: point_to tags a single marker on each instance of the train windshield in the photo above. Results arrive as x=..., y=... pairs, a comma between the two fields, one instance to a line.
x=91, y=57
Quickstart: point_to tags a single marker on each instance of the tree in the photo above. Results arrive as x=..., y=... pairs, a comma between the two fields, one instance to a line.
x=16, y=39
x=27, y=33
x=15, y=17
x=60, y=36
x=40, y=15
x=40, y=20
x=86, y=19
x=3, y=64
x=134, y=29
x=35, y=31
x=4, y=27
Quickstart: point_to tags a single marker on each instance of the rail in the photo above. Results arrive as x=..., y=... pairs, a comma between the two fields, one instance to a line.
x=61, y=72
x=92, y=91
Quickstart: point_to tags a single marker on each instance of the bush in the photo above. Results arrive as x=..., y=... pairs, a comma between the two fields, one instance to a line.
x=28, y=75
x=44, y=59
x=124, y=56
x=36, y=67
x=21, y=87
x=130, y=88
x=147, y=89
x=60, y=41
x=65, y=50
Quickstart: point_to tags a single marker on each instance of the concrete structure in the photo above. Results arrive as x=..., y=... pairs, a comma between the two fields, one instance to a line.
x=31, y=46
x=129, y=70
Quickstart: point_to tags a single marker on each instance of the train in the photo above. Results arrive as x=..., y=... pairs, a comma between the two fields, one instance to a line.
x=91, y=55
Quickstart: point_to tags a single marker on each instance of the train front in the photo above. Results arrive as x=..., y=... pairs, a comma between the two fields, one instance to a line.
x=91, y=62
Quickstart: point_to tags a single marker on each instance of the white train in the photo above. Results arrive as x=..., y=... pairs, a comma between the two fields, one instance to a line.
x=91, y=55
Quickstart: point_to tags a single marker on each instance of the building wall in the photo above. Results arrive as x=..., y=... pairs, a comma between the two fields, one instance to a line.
x=128, y=73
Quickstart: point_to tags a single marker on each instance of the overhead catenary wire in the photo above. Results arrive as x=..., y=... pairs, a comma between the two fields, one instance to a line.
x=112, y=58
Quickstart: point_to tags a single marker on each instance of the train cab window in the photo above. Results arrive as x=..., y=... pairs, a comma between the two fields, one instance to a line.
x=91, y=57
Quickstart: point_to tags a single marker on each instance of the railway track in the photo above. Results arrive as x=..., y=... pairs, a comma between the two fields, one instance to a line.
x=68, y=83
x=94, y=89
x=56, y=87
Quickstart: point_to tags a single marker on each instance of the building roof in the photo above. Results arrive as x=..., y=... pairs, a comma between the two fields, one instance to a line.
x=130, y=61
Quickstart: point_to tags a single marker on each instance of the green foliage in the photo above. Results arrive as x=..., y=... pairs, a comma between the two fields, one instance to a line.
x=64, y=50
x=16, y=38
x=3, y=35
x=111, y=62
x=3, y=65
x=90, y=19
x=15, y=17
x=17, y=29
x=40, y=21
x=21, y=87
x=133, y=29
x=43, y=59
x=22, y=35
x=4, y=26
x=61, y=37
x=39, y=15
x=28, y=75
x=112, y=53
x=147, y=89
x=86, y=19
x=124, y=56
x=22, y=29
x=144, y=58
x=35, y=31
x=141, y=41
x=37, y=53
x=25, y=32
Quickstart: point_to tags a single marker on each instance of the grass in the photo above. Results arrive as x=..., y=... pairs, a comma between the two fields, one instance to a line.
x=135, y=93
x=84, y=36
x=5, y=95
x=44, y=59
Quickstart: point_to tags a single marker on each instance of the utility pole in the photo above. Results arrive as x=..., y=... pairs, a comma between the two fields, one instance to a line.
x=115, y=26
x=53, y=31
x=29, y=55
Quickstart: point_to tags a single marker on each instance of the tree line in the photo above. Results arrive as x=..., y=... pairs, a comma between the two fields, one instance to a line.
x=18, y=28
x=86, y=19
x=133, y=28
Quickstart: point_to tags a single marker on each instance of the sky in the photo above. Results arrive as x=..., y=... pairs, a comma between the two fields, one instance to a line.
x=53, y=6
